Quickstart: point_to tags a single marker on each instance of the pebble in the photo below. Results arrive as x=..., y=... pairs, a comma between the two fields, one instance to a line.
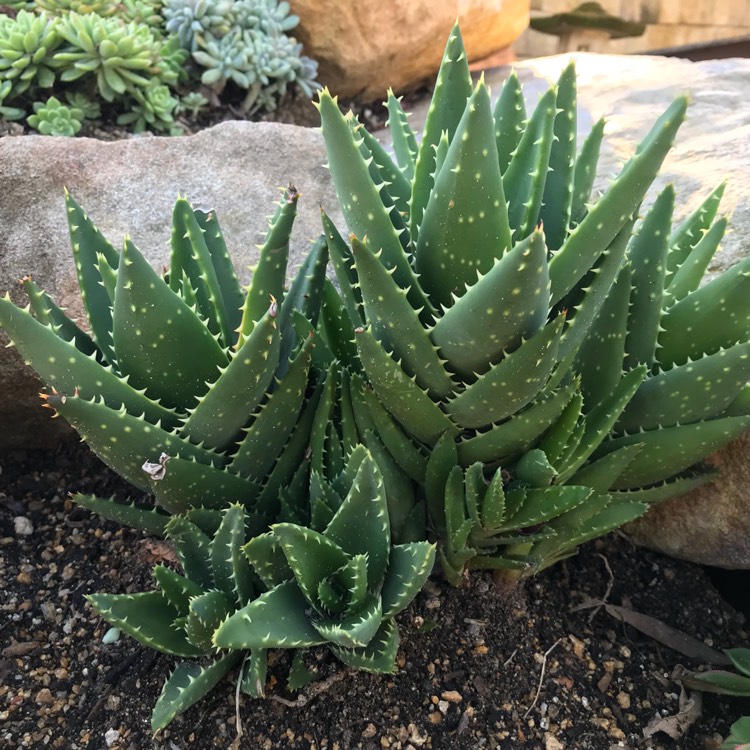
x=111, y=736
x=23, y=526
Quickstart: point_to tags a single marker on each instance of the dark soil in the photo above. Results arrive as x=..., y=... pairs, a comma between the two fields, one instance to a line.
x=470, y=665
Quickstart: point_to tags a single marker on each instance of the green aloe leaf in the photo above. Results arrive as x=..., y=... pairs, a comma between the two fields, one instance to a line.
x=614, y=209
x=342, y=261
x=600, y=475
x=506, y=305
x=443, y=458
x=254, y=670
x=207, y=611
x=541, y=504
x=378, y=656
x=160, y=342
x=187, y=685
x=147, y=617
x=268, y=559
x=151, y=520
x=229, y=565
x=512, y=383
x=356, y=629
x=409, y=566
x=510, y=119
x=465, y=227
x=404, y=141
x=585, y=173
x=193, y=549
x=178, y=589
x=276, y=619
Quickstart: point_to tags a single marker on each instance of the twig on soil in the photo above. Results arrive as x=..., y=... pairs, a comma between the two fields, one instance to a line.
x=313, y=691
x=541, y=676
x=510, y=658
x=608, y=590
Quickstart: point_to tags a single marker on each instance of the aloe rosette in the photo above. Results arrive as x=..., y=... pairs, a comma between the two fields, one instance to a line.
x=500, y=310
x=186, y=386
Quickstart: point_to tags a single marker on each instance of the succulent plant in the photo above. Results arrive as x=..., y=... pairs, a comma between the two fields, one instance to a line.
x=55, y=118
x=122, y=57
x=180, y=617
x=78, y=100
x=152, y=109
x=142, y=12
x=191, y=20
x=193, y=103
x=6, y=112
x=719, y=680
x=739, y=739
x=544, y=354
x=340, y=586
x=187, y=387
x=102, y=8
x=27, y=46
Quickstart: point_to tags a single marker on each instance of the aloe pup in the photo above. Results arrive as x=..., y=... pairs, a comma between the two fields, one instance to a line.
x=507, y=320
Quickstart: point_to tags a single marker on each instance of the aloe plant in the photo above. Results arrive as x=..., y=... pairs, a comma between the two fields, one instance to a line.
x=186, y=386
x=739, y=739
x=341, y=584
x=507, y=321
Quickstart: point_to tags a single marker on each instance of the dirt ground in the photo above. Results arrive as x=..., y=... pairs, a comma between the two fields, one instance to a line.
x=476, y=669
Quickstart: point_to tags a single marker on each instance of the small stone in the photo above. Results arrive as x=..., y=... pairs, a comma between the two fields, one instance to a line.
x=452, y=696
x=370, y=731
x=435, y=717
x=44, y=696
x=443, y=707
x=23, y=526
x=552, y=743
x=623, y=700
x=111, y=736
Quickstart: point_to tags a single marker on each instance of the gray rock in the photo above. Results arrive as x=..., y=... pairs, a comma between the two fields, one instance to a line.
x=129, y=187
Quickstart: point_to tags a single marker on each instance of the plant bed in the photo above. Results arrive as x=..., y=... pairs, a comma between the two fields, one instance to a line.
x=469, y=667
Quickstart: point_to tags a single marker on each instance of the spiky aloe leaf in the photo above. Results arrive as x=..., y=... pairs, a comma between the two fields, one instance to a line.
x=689, y=275
x=397, y=184
x=207, y=611
x=517, y=434
x=300, y=675
x=406, y=453
x=404, y=141
x=601, y=355
x=108, y=274
x=336, y=327
x=691, y=229
x=671, y=450
x=401, y=395
x=123, y=441
x=49, y=314
x=600, y=475
x=647, y=253
x=558, y=186
x=533, y=469
x=585, y=173
x=512, y=383
x=147, y=617
x=541, y=504
x=666, y=489
x=442, y=460
x=613, y=210
x=232, y=397
x=187, y=685
x=559, y=434
x=342, y=261
x=510, y=119
x=151, y=520
x=66, y=368
x=465, y=226
x=356, y=629
x=323, y=416
x=276, y=619
x=193, y=549
x=228, y=563
x=506, y=305
x=689, y=328
x=492, y=509
x=360, y=199
x=254, y=670
x=226, y=278
x=87, y=242
x=360, y=525
x=178, y=589
x=396, y=325
x=274, y=421
x=380, y=653
x=526, y=174
x=270, y=273
x=452, y=90
x=160, y=342
x=690, y=392
x=409, y=566
x=268, y=560
x=191, y=259
x=345, y=592
x=599, y=422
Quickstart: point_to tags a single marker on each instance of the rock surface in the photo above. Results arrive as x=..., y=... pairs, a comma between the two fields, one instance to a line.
x=129, y=187
x=364, y=48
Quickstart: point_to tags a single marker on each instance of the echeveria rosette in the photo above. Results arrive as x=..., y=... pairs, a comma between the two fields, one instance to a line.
x=341, y=587
x=55, y=118
x=180, y=616
x=499, y=310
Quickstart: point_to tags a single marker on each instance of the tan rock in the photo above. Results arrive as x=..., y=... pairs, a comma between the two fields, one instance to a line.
x=363, y=48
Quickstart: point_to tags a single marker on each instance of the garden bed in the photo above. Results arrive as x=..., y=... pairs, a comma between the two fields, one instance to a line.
x=472, y=670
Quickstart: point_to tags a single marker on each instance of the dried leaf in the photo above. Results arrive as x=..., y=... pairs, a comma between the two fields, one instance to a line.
x=20, y=649
x=676, y=726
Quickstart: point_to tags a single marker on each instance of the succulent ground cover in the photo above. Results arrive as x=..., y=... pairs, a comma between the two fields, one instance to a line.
x=603, y=683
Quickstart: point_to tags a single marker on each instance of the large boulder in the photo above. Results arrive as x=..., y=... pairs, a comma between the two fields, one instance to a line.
x=129, y=187
x=363, y=48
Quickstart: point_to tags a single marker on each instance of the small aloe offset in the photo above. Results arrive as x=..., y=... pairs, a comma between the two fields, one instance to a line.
x=181, y=615
x=504, y=317
x=186, y=386
x=340, y=585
